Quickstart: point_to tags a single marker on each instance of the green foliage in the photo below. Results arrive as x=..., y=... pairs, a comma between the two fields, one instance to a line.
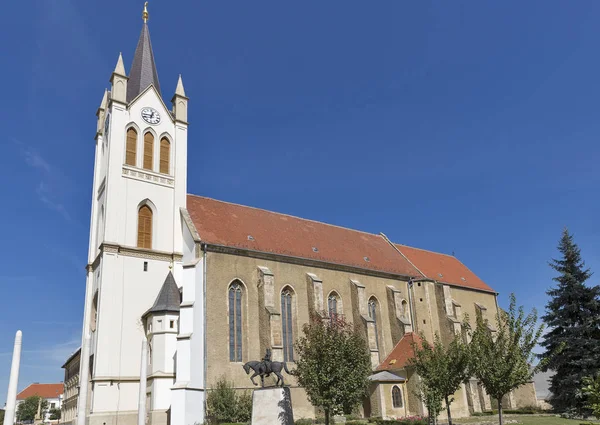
x=333, y=365
x=572, y=346
x=1, y=417
x=55, y=414
x=501, y=360
x=443, y=368
x=226, y=405
x=304, y=421
x=591, y=392
x=413, y=420
x=27, y=410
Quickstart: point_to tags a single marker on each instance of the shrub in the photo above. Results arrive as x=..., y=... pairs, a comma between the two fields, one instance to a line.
x=304, y=421
x=225, y=405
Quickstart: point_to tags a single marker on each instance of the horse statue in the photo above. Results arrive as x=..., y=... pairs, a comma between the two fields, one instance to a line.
x=264, y=368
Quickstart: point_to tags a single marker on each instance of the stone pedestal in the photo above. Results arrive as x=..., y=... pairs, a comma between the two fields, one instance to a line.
x=272, y=406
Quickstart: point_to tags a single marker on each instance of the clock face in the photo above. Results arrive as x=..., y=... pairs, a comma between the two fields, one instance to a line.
x=150, y=115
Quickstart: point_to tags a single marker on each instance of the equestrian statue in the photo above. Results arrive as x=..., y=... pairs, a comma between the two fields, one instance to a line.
x=264, y=368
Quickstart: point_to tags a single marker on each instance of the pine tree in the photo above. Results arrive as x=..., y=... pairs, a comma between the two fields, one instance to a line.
x=572, y=346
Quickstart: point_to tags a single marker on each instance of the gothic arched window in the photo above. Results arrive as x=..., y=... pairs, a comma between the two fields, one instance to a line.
x=165, y=154
x=235, y=322
x=373, y=316
x=287, y=321
x=144, y=239
x=333, y=305
x=405, y=312
x=148, y=151
x=397, y=397
x=131, y=147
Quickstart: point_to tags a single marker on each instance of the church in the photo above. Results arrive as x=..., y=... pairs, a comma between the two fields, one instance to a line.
x=211, y=284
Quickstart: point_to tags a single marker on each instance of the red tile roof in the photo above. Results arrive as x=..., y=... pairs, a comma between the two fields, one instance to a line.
x=42, y=390
x=401, y=354
x=232, y=225
x=443, y=268
x=223, y=223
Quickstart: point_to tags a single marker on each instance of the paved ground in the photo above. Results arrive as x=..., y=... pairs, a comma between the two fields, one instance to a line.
x=521, y=419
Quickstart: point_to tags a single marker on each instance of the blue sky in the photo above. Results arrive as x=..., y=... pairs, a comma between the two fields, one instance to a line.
x=466, y=127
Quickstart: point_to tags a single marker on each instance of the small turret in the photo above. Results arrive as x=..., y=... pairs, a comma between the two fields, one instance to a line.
x=119, y=82
x=180, y=103
x=101, y=112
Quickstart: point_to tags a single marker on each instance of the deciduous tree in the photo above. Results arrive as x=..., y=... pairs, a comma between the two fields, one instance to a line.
x=28, y=409
x=591, y=392
x=573, y=317
x=443, y=368
x=502, y=359
x=333, y=365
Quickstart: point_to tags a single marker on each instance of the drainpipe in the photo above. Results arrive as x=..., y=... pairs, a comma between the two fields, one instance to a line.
x=203, y=246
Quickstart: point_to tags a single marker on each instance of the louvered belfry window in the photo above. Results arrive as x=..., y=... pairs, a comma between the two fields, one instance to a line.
x=165, y=153
x=145, y=227
x=148, y=150
x=131, y=147
x=235, y=322
x=287, y=323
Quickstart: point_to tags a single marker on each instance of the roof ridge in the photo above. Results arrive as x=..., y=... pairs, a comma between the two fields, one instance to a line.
x=427, y=250
x=285, y=214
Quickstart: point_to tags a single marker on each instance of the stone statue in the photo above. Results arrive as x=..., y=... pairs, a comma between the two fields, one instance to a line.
x=264, y=368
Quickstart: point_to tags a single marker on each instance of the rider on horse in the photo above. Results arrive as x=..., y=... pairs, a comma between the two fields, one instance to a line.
x=267, y=362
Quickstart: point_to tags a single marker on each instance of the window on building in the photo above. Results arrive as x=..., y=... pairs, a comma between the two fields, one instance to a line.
x=373, y=316
x=172, y=324
x=235, y=322
x=94, y=314
x=287, y=321
x=165, y=154
x=144, y=227
x=405, y=311
x=332, y=305
x=131, y=147
x=52, y=405
x=397, y=397
x=148, y=150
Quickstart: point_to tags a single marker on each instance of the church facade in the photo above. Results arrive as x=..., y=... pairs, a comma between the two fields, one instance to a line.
x=211, y=284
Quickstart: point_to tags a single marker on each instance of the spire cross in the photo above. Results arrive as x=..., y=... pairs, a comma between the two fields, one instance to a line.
x=145, y=14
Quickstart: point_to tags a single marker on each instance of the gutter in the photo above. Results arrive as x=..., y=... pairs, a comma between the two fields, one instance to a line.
x=203, y=247
x=411, y=303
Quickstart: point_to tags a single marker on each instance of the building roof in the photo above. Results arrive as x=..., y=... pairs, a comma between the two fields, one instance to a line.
x=143, y=69
x=76, y=353
x=233, y=225
x=238, y=226
x=386, y=376
x=443, y=268
x=401, y=354
x=43, y=390
x=168, y=299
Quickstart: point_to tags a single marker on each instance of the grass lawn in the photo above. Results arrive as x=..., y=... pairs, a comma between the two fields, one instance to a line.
x=524, y=419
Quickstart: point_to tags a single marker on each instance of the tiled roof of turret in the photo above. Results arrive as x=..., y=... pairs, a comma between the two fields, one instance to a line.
x=168, y=299
x=143, y=69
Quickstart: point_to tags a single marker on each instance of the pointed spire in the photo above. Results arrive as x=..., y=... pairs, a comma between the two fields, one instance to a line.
x=168, y=299
x=120, y=68
x=143, y=69
x=179, y=91
x=104, y=100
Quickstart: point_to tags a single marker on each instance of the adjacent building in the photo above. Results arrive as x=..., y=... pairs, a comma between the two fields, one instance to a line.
x=52, y=393
x=71, y=388
x=213, y=284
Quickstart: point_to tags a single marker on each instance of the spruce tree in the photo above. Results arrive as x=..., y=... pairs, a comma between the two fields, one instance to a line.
x=572, y=345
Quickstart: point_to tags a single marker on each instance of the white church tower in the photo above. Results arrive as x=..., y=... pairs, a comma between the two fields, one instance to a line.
x=136, y=251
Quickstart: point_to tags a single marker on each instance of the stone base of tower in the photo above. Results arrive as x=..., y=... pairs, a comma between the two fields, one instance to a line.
x=113, y=418
x=187, y=406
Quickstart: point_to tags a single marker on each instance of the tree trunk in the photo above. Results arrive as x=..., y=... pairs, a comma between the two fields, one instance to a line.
x=326, y=416
x=500, y=411
x=448, y=410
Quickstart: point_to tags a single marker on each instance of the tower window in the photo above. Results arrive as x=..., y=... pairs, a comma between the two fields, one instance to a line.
x=131, y=147
x=148, y=151
x=145, y=266
x=165, y=153
x=172, y=324
x=145, y=227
